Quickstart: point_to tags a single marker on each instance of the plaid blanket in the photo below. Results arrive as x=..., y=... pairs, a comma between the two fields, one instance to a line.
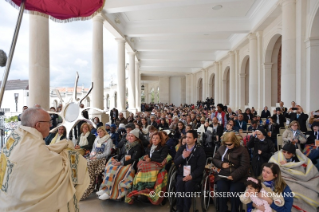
x=117, y=180
x=150, y=180
x=308, y=148
x=302, y=178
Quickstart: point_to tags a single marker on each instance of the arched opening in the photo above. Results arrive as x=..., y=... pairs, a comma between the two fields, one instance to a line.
x=244, y=82
x=212, y=86
x=200, y=89
x=273, y=71
x=226, y=86
x=115, y=100
x=312, y=73
x=107, y=101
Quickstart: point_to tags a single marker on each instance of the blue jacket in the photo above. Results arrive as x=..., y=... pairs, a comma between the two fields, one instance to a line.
x=237, y=127
x=286, y=207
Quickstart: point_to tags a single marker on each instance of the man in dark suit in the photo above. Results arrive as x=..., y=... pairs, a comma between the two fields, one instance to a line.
x=298, y=116
x=190, y=162
x=282, y=108
x=265, y=113
x=253, y=127
x=279, y=118
x=313, y=135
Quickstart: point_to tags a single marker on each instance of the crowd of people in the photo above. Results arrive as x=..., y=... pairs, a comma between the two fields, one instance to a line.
x=243, y=146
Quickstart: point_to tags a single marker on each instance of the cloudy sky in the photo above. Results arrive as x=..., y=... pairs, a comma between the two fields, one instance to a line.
x=70, y=49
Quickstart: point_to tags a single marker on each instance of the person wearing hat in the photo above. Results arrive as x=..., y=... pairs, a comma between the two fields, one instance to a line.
x=289, y=151
x=263, y=149
x=279, y=118
x=107, y=128
x=129, y=154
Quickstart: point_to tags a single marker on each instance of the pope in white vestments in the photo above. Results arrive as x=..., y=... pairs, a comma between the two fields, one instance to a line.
x=35, y=177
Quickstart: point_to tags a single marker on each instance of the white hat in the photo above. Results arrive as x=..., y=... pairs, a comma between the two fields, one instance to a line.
x=135, y=132
x=122, y=126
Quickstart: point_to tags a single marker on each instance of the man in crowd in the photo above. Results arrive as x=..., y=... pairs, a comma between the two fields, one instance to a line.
x=265, y=113
x=114, y=115
x=121, y=120
x=299, y=116
x=282, y=108
x=279, y=118
x=240, y=123
x=23, y=109
x=36, y=177
x=190, y=160
x=253, y=127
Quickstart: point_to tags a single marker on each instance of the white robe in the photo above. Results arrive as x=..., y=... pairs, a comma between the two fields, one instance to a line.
x=35, y=177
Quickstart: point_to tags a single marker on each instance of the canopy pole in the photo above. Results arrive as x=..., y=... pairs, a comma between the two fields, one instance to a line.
x=12, y=48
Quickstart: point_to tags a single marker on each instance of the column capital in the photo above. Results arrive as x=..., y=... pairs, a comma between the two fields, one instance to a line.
x=259, y=34
x=120, y=40
x=252, y=36
x=131, y=53
x=314, y=41
x=268, y=65
x=98, y=17
x=231, y=53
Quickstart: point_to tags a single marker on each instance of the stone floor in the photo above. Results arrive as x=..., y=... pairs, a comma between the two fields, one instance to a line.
x=93, y=204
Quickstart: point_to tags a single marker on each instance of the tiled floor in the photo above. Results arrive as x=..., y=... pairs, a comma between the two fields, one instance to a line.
x=93, y=204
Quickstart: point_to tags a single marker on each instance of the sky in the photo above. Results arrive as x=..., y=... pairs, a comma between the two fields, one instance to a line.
x=70, y=50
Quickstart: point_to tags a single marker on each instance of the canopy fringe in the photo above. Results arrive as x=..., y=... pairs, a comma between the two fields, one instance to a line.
x=56, y=19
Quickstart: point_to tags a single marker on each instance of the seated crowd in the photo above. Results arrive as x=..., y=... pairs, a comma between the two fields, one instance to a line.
x=245, y=146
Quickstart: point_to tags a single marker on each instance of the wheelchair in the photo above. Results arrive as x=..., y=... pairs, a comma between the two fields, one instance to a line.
x=172, y=190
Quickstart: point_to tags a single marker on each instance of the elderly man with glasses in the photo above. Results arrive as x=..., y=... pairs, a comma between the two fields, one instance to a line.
x=36, y=177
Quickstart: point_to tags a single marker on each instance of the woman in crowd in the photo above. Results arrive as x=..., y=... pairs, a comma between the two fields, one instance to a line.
x=157, y=150
x=56, y=137
x=181, y=142
x=263, y=149
x=86, y=139
x=294, y=135
x=97, y=122
x=180, y=130
x=96, y=162
x=119, y=173
x=233, y=160
x=170, y=143
x=163, y=124
x=248, y=116
x=144, y=125
x=271, y=178
x=130, y=119
x=300, y=175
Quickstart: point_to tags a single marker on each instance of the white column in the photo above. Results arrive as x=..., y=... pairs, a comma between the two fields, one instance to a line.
x=232, y=82
x=312, y=75
x=131, y=88
x=242, y=92
x=253, y=71
x=204, y=95
x=121, y=75
x=39, y=62
x=237, y=94
x=267, y=80
x=217, y=83
x=137, y=87
x=97, y=63
x=164, y=94
x=261, y=83
x=224, y=91
x=288, y=70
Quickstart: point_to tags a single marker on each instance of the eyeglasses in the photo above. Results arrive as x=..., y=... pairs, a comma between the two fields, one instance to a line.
x=228, y=144
x=45, y=121
x=284, y=151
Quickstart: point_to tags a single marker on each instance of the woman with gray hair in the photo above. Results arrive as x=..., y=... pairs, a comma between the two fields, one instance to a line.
x=294, y=135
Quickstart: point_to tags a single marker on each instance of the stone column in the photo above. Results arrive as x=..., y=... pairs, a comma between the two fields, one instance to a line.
x=97, y=63
x=204, y=95
x=312, y=74
x=237, y=94
x=232, y=80
x=39, y=62
x=217, y=84
x=131, y=88
x=267, y=80
x=121, y=86
x=288, y=71
x=137, y=87
x=242, y=97
x=164, y=87
x=253, y=71
x=260, y=68
x=224, y=91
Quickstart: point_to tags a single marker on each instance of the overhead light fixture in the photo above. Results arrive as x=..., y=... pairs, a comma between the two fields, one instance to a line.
x=142, y=87
x=117, y=20
x=217, y=7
